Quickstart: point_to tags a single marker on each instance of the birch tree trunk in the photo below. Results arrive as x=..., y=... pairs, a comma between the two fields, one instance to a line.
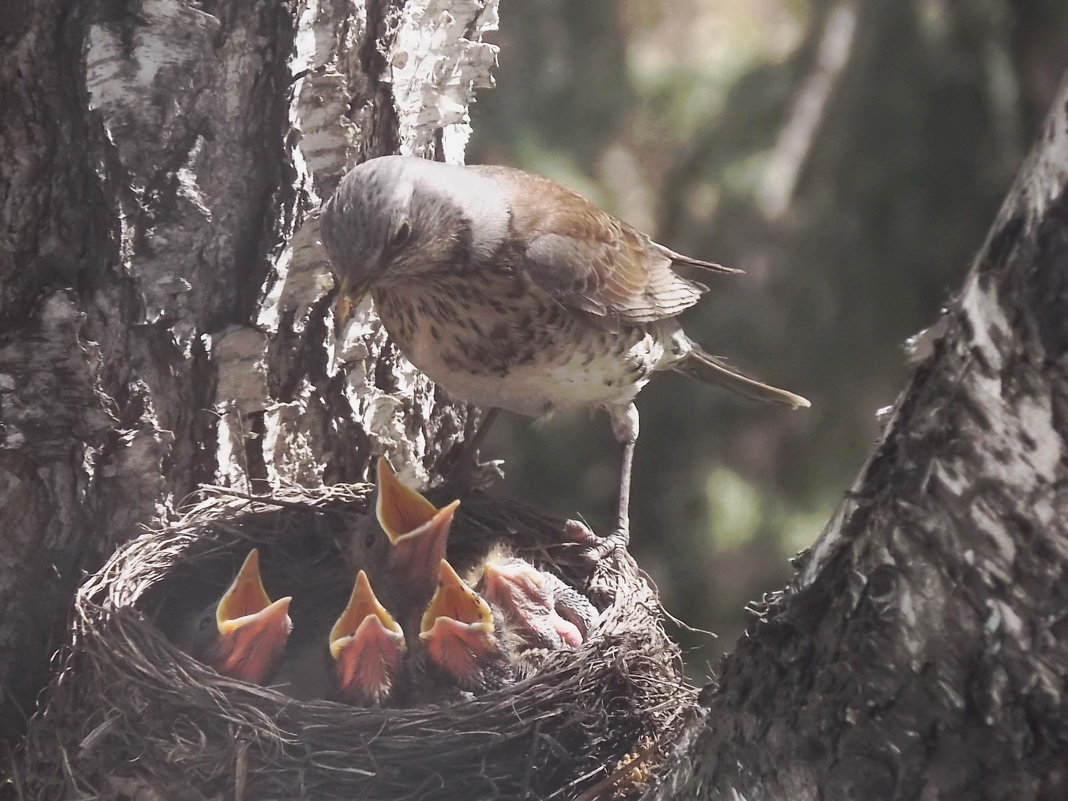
x=163, y=297
x=922, y=649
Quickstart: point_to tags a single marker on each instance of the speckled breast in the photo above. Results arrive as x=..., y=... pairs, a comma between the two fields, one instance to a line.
x=498, y=342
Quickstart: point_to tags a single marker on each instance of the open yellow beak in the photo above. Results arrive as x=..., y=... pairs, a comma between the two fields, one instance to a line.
x=414, y=556
x=456, y=601
x=458, y=632
x=363, y=607
x=245, y=597
x=367, y=646
x=399, y=508
x=252, y=629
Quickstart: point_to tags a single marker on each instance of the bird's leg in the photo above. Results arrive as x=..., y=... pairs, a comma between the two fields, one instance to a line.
x=625, y=427
x=467, y=473
x=470, y=451
x=623, y=510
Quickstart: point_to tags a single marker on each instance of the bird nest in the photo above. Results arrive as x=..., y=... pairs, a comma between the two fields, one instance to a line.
x=130, y=715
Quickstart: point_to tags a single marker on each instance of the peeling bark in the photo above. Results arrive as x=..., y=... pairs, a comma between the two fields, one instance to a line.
x=163, y=295
x=922, y=649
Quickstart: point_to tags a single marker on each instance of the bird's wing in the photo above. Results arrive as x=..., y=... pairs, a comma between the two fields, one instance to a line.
x=586, y=259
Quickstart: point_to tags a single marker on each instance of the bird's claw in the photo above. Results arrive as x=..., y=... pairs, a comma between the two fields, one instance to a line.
x=594, y=547
x=579, y=533
x=618, y=540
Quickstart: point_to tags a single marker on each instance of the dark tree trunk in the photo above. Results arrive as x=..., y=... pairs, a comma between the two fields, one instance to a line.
x=162, y=293
x=922, y=649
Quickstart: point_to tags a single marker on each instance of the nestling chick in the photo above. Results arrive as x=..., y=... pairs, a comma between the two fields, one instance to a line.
x=405, y=567
x=367, y=648
x=538, y=606
x=461, y=639
x=244, y=635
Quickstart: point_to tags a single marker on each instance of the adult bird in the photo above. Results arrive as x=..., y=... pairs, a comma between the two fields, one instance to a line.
x=512, y=291
x=367, y=648
x=244, y=634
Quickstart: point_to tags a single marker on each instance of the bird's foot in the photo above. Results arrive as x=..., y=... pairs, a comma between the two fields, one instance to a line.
x=618, y=540
x=594, y=547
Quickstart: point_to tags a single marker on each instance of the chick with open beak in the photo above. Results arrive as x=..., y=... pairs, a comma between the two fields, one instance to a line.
x=461, y=638
x=245, y=635
x=417, y=532
x=367, y=648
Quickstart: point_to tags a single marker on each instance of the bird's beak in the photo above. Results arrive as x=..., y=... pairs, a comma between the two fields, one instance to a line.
x=457, y=630
x=349, y=295
x=363, y=606
x=455, y=601
x=417, y=553
x=418, y=532
x=252, y=629
x=366, y=644
x=399, y=508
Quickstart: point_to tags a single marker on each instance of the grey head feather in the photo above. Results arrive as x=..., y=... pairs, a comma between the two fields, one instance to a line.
x=446, y=215
x=356, y=222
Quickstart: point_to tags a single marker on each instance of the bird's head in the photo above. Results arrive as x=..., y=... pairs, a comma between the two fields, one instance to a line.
x=367, y=647
x=458, y=631
x=516, y=582
x=247, y=634
x=528, y=599
x=392, y=220
x=417, y=532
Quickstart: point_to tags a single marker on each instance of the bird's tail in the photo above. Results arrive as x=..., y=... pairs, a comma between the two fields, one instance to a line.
x=711, y=370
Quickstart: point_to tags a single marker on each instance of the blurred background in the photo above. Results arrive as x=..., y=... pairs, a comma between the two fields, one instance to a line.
x=849, y=156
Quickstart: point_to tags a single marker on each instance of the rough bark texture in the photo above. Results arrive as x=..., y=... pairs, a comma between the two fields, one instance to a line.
x=163, y=298
x=922, y=649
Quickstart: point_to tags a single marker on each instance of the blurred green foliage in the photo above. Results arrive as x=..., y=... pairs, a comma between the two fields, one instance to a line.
x=849, y=156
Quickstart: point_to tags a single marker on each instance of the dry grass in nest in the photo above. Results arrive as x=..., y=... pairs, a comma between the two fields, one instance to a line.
x=130, y=715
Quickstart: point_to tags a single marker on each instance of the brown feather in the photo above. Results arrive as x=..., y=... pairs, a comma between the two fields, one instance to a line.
x=588, y=260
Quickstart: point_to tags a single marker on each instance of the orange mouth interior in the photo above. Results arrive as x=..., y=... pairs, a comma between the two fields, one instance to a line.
x=399, y=508
x=253, y=630
x=362, y=604
x=454, y=599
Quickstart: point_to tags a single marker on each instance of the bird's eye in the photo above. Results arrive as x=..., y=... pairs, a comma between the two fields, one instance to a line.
x=205, y=621
x=401, y=234
x=369, y=540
